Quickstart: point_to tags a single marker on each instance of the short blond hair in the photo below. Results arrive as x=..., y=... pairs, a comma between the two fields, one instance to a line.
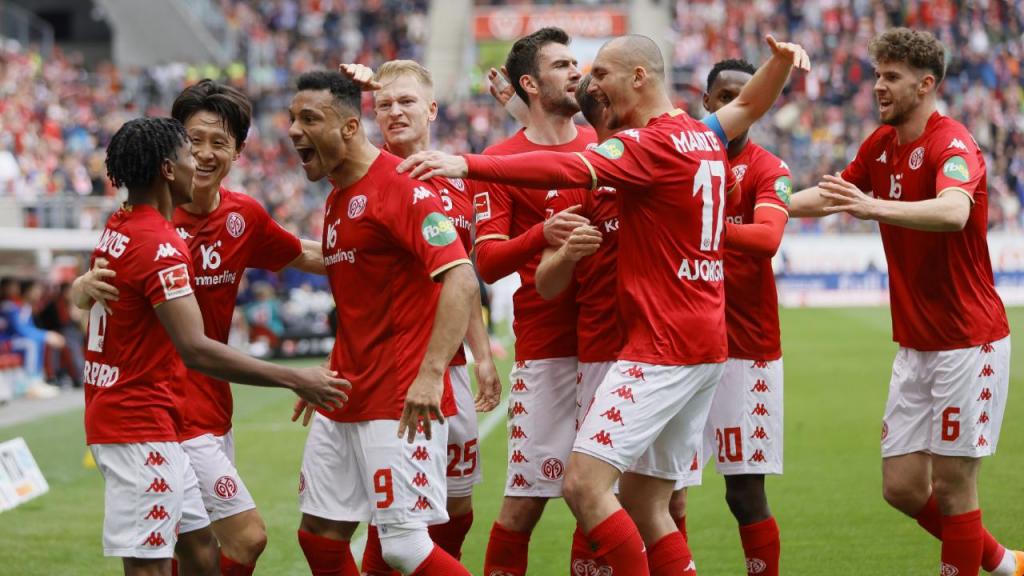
x=396, y=68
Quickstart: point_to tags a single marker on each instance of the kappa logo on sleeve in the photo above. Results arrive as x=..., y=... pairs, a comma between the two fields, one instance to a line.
x=175, y=281
x=956, y=168
x=166, y=250
x=438, y=230
x=482, y=206
x=421, y=193
x=612, y=149
x=784, y=189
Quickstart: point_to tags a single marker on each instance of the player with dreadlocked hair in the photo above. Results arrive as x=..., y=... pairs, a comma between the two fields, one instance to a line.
x=132, y=404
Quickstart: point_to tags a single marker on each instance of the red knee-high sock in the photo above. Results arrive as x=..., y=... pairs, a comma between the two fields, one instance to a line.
x=174, y=567
x=507, y=551
x=440, y=563
x=930, y=519
x=671, y=556
x=373, y=563
x=681, y=525
x=450, y=535
x=617, y=542
x=581, y=557
x=229, y=567
x=327, y=557
x=962, y=543
x=762, y=547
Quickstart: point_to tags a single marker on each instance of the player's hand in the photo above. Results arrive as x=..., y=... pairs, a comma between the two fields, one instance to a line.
x=305, y=409
x=54, y=339
x=488, y=385
x=789, y=52
x=422, y=402
x=321, y=387
x=499, y=85
x=583, y=242
x=558, y=228
x=361, y=75
x=843, y=196
x=426, y=165
x=94, y=284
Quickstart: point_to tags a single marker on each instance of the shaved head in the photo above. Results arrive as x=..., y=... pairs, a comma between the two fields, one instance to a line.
x=635, y=50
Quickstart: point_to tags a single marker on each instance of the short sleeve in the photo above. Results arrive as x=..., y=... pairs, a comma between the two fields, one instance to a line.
x=622, y=162
x=276, y=247
x=959, y=165
x=418, y=222
x=775, y=186
x=492, y=211
x=856, y=172
x=165, y=269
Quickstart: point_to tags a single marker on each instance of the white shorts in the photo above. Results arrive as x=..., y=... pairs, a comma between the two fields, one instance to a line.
x=464, y=464
x=362, y=471
x=150, y=491
x=213, y=459
x=541, y=426
x=588, y=378
x=649, y=419
x=949, y=403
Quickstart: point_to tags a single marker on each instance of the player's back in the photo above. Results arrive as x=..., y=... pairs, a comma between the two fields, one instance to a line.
x=131, y=363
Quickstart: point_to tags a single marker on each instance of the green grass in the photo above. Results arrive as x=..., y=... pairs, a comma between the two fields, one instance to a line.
x=828, y=503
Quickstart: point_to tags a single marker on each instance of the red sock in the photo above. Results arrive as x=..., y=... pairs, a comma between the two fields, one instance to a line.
x=930, y=519
x=618, y=543
x=681, y=525
x=581, y=558
x=327, y=557
x=373, y=563
x=440, y=563
x=229, y=567
x=450, y=535
x=671, y=556
x=762, y=547
x=962, y=544
x=507, y=551
x=174, y=567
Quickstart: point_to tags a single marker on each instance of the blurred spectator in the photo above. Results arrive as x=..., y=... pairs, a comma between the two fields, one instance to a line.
x=60, y=315
x=17, y=309
x=264, y=317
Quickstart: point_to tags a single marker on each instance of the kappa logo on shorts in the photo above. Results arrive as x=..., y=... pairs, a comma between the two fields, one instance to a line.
x=625, y=392
x=517, y=409
x=420, y=479
x=613, y=414
x=986, y=371
x=987, y=348
x=636, y=372
x=155, y=459
x=159, y=485
x=758, y=457
x=420, y=453
x=590, y=568
x=519, y=387
x=695, y=465
x=983, y=419
x=762, y=364
x=155, y=540
x=519, y=481
x=552, y=469
x=225, y=488
x=520, y=364
x=756, y=566
x=760, y=410
x=422, y=504
x=985, y=395
x=885, y=429
x=157, y=513
x=603, y=438
x=517, y=433
x=981, y=441
x=579, y=379
x=760, y=386
x=517, y=457
x=759, y=433
x=948, y=570
x=302, y=482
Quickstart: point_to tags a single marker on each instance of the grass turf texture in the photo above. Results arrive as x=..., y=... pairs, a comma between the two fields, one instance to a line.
x=828, y=503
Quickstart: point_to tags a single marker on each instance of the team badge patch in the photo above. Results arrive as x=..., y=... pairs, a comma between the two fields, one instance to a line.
x=739, y=171
x=175, y=281
x=438, y=230
x=235, y=224
x=458, y=183
x=956, y=168
x=225, y=488
x=356, y=206
x=784, y=189
x=612, y=149
x=916, y=158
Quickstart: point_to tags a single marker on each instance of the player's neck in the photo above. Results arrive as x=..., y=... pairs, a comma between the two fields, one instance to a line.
x=361, y=155
x=917, y=121
x=406, y=149
x=737, y=145
x=650, y=107
x=203, y=201
x=549, y=129
x=159, y=199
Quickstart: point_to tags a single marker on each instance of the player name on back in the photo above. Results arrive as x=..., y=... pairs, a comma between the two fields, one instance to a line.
x=690, y=141
x=113, y=243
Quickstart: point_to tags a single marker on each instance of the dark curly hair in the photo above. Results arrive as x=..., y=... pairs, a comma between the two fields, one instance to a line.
x=344, y=90
x=737, y=64
x=523, y=58
x=233, y=107
x=139, y=147
x=917, y=48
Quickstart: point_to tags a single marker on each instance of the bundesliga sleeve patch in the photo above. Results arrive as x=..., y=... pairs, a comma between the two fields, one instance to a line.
x=175, y=281
x=784, y=189
x=611, y=149
x=956, y=168
x=438, y=230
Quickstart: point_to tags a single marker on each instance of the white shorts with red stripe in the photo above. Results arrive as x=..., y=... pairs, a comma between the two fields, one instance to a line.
x=649, y=419
x=150, y=490
x=949, y=402
x=362, y=471
x=541, y=426
x=464, y=464
x=213, y=459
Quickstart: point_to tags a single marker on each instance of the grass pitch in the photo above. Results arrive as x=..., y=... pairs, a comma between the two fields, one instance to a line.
x=828, y=503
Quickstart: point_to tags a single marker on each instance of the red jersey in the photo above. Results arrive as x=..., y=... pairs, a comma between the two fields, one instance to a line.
x=238, y=234
x=751, y=300
x=941, y=288
x=598, y=327
x=457, y=197
x=543, y=328
x=131, y=366
x=671, y=178
x=385, y=239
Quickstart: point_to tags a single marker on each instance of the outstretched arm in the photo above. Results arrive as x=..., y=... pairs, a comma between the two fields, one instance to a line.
x=948, y=212
x=311, y=259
